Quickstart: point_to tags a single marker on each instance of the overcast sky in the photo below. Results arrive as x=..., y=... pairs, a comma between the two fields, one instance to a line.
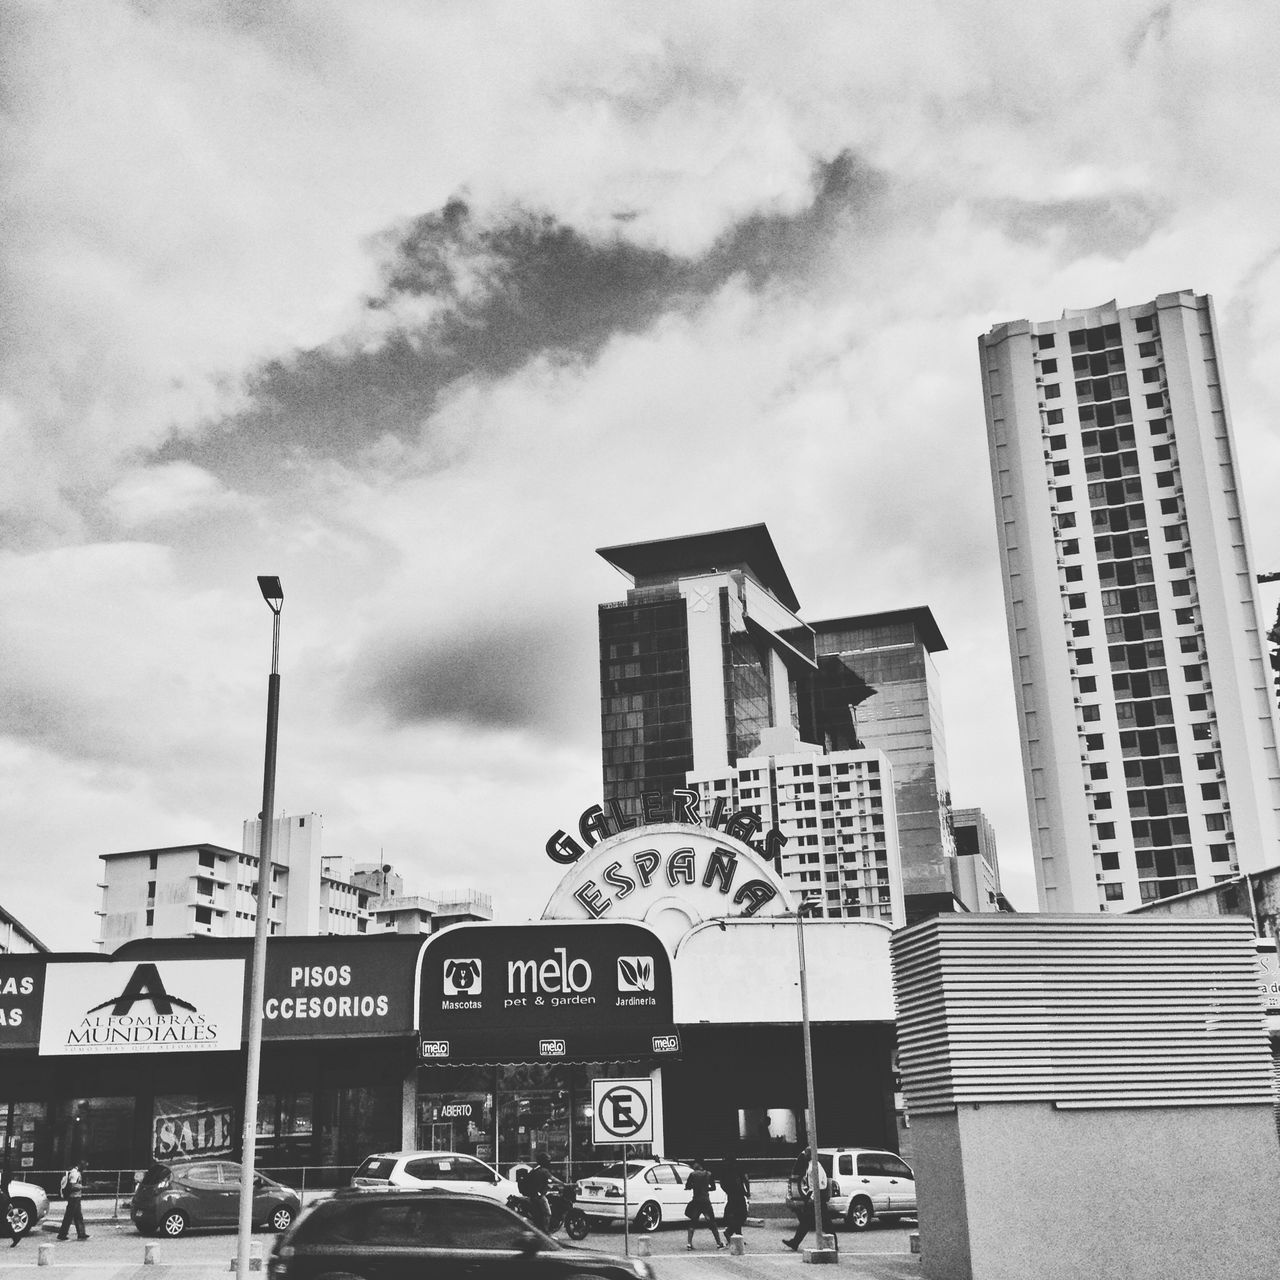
x=417, y=304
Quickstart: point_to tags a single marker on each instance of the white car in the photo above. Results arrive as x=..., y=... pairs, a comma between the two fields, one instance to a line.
x=444, y=1170
x=655, y=1193
x=28, y=1205
x=863, y=1184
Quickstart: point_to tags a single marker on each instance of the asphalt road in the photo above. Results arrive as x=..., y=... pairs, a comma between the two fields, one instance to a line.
x=115, y=1251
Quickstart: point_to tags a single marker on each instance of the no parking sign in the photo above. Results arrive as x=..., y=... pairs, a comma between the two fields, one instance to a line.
x=622, y=1111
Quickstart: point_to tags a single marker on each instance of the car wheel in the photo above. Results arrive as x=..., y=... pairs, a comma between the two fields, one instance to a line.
x=859, y=1216
x=281, y=1218
x=22, y=1213
x=649, y=1217
x=173, y=1224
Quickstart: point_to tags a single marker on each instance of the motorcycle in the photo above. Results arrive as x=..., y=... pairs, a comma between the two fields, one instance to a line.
x=564, y=1213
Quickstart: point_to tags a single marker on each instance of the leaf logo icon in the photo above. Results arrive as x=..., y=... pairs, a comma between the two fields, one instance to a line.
x=635, y=973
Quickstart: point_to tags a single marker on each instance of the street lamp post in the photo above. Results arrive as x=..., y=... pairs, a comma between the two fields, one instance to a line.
x=815, y=1173
x=273, y=594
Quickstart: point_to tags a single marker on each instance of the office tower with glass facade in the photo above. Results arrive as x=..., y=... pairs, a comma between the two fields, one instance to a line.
x=702, y=659
x=877, y=687
x=707, y=674
x=1148, y=733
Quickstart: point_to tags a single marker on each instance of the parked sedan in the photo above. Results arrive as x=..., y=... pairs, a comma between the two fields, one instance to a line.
x=28, y=1205
x=206, y=1193
x=405, y=1235
x=654, y=1193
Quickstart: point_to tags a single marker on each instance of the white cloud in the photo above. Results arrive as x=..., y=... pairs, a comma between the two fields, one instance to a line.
x=194, y=191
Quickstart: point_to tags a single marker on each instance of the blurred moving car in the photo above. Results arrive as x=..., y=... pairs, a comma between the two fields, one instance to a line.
x=655, y=1193
x=28, y=1205
x=864, y=1184
x=444, y=1170
x=404, y=1235
x=175, y=1195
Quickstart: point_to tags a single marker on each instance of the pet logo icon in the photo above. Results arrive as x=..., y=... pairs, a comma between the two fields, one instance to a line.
x=462, y=977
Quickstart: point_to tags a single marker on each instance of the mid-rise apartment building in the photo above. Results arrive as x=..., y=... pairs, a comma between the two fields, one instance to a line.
x=838, y=813
x=1148, y=733
x=207, y=891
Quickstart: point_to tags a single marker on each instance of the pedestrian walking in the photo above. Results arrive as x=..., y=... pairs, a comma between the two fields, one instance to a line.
x=801, y=1181
x=700, y=1184
x=738, y=1189
x=73, y=1189
x=14, y=1234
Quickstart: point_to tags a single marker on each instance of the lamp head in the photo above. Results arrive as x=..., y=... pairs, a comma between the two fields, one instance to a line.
x=272, y=592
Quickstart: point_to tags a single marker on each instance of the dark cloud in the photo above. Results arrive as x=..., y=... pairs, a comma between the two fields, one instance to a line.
x=510, y=674
x=1110, y=226
x=499, y=292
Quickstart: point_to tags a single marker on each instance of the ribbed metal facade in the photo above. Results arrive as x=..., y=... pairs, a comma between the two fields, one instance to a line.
x=1113, y=1012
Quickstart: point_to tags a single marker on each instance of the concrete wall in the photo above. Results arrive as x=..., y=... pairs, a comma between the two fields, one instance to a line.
x=1033, y=1192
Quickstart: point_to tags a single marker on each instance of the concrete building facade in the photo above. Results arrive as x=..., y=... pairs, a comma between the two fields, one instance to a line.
x=16, y=938
x=1148, y=733
x=977, y=862
x=837, y=811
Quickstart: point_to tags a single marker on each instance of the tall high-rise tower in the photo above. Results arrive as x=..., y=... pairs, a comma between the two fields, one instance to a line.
x=1148, y=735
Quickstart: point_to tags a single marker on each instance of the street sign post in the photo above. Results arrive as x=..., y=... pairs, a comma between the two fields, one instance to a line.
x=622, y=1111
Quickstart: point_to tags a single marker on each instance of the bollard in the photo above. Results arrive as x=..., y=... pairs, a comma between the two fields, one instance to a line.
x=737, y=1246
x=824, y=1251
x=915, y=1242
x=150, y=1255
x=44, y=1255
x=255, y=1257
x=641, y=1247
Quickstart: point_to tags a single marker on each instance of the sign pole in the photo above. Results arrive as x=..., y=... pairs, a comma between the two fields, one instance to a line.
x=626, y=1213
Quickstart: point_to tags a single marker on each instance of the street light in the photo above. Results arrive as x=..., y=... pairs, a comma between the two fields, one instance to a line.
x=815, y=1173
x=273, y=594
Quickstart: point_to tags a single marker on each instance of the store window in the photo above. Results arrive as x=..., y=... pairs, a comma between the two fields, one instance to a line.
x=99, y=1130
x=193, y=1125
x=25, y=1130
x=768, y=1130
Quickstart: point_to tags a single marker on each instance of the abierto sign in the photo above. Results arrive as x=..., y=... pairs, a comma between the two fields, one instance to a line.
x=146, y=1006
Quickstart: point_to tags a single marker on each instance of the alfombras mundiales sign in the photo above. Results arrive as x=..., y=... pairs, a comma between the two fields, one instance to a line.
x=161, y=1006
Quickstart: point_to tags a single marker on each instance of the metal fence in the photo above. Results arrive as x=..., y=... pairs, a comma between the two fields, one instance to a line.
x=113, y=1188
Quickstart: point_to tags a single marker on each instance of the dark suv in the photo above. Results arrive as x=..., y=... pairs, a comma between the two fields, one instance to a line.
x=404, y=1235
x=206, y=1193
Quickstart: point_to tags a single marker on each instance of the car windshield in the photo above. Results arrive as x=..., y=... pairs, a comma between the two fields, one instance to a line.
x=615, y=1171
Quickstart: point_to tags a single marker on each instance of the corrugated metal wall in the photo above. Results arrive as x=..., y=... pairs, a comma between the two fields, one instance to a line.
x=1114, y=1012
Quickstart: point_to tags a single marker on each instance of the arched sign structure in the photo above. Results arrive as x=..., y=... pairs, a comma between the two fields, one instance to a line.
x=669, y=877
